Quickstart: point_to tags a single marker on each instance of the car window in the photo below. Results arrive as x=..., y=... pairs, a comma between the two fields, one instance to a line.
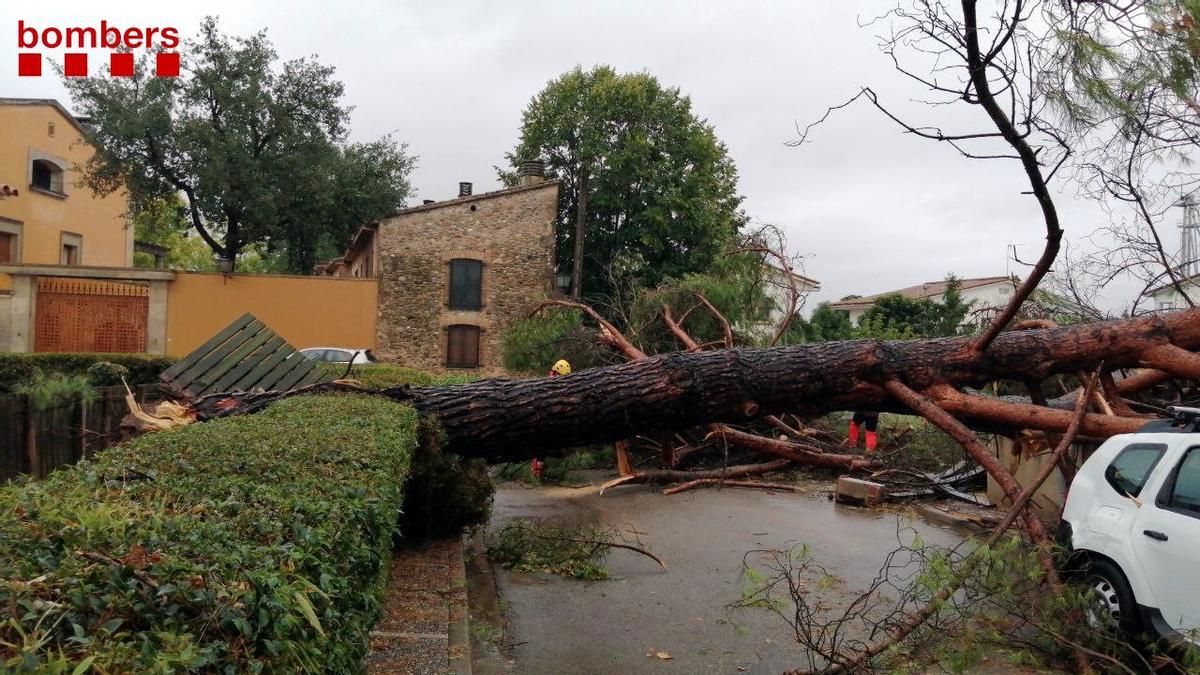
x=313, y=355
x=337, y=356
x=1186, y=494
x=1131, y=468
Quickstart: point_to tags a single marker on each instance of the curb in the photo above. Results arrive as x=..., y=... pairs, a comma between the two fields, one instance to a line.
x=459, y=647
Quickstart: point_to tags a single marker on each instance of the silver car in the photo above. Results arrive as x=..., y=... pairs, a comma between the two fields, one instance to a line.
x=339, y=355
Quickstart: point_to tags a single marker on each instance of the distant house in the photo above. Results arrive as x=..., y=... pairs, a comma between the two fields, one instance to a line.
x=1165, y=298
x=985, y=293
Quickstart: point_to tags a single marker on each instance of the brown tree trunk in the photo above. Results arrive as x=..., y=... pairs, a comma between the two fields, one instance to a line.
x=504, y=418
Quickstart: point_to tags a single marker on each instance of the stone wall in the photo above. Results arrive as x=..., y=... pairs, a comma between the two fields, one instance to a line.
x=511, y=231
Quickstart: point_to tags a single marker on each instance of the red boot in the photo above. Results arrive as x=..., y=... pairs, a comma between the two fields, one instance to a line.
x=535, y=466
x=872, y=439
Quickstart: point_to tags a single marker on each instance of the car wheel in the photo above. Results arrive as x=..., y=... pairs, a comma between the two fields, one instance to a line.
x=1111, y=598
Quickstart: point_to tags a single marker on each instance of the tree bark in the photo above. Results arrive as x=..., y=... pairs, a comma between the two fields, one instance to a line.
x=507, y=418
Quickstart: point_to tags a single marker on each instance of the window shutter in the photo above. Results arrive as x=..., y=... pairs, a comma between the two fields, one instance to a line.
x=466, y=284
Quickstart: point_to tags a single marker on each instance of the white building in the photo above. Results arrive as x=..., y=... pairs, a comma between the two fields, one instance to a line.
x=778, y=290
x=1165, y=298
x=986, y=293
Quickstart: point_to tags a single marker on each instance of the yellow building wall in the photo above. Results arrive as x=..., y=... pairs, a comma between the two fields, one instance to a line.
x=305, y=311
x=107, y=241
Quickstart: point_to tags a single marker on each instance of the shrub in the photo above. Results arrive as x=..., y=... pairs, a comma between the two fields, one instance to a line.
x=107, y=373
x=47, y=391
x=247, y=544
x=445, y=492
x=18, y=368
x=381, y=375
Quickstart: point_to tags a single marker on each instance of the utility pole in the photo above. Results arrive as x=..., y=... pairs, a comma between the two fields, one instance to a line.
x=580, y=227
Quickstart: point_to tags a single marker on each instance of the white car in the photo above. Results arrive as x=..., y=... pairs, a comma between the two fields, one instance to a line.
x=339, y=355
x=1132, y=517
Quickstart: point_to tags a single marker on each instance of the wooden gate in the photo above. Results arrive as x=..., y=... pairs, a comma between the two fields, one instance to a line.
x=89, y=315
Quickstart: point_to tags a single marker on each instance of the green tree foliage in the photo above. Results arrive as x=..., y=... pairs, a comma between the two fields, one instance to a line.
x=533, y=344
x=895, y=317
x=1122, y=63
x=827, y=324
x=661, y=188
x=733, y=284
x=256, y=148
x=164, y=222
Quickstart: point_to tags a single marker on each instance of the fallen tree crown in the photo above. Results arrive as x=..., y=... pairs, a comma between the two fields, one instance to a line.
x=509, y=418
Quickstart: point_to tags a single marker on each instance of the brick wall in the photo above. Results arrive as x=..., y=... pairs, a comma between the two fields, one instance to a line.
x=511, y=231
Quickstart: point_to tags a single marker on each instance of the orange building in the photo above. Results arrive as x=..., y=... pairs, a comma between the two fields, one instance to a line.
x=53, y=220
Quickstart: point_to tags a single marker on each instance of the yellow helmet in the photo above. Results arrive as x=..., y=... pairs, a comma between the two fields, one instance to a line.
x=561, y=367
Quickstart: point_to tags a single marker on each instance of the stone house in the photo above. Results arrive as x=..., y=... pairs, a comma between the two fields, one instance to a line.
x=453, y=274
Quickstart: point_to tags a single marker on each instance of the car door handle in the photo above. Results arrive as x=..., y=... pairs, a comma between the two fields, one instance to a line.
x=1155, y=534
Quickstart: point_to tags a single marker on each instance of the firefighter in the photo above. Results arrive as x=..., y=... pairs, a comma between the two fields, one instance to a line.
x=560, y=367
x=869, y=421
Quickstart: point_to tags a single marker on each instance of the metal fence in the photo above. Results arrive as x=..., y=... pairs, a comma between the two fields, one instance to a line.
x=63, y=433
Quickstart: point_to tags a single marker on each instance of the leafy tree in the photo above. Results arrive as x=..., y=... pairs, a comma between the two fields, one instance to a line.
x=165, y=223
x=895, y=317
x=532, y=344
x=827, y=324
x=658, y=188
x=256, y=149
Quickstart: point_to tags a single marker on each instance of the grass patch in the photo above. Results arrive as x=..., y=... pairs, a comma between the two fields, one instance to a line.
x=248, y=544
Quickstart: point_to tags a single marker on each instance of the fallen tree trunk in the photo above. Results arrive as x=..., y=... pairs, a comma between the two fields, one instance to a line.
x=513, y=418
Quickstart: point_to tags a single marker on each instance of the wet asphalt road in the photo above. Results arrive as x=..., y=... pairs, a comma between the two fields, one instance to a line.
x=566, y=626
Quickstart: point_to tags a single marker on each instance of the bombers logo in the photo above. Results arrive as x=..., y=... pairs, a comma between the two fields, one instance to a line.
x=104, y=36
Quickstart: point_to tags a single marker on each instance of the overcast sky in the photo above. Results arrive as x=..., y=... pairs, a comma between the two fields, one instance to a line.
x=870, y=208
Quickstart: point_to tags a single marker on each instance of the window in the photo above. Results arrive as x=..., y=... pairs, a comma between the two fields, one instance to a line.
x=462, y=347
x=47, y=176
x=466, y=284
x=10, y=242
x=72, y=249
x=1184, y=487
x=1130, y=469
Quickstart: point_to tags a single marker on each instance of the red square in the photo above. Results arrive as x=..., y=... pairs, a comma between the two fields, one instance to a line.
x=29, y=64
x=120, y=64
x=75, y=65
x=167, y=64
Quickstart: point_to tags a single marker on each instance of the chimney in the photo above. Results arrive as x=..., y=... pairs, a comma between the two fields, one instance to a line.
x=532, y=171
x=464, y=189
x=426, y=201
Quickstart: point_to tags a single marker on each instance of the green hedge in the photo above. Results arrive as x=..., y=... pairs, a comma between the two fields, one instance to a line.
x=18, y=368
x=250, y=544
x=382, y=375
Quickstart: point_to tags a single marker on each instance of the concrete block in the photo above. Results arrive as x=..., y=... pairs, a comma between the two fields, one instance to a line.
x=859, y=492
